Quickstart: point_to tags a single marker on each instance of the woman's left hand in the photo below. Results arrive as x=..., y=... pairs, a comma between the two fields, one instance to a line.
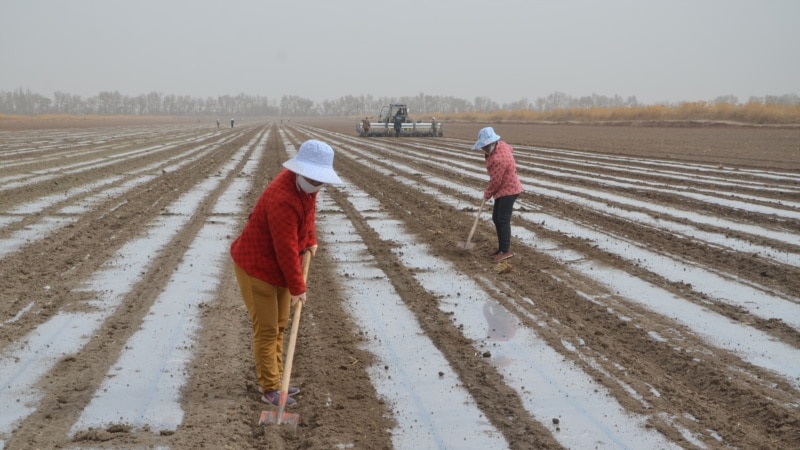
x=298, y=298
x=312, y=249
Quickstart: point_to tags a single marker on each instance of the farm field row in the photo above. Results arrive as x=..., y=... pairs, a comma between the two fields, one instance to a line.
x=653, y=302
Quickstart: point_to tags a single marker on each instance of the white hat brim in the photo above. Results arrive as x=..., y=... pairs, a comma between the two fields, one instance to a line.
x=312, y=171
x=481, y=143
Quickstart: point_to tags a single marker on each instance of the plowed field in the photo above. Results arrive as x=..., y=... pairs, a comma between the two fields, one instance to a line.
x=653, y=301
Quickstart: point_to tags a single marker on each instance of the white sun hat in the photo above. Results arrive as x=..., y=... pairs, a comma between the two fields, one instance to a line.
x=485, y=137
x=314, y=160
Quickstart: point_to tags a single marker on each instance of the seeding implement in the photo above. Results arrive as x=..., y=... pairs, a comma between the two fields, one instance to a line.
x=395, y=121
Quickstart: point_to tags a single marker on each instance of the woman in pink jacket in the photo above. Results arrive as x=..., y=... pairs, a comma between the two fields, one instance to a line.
x=504, y=186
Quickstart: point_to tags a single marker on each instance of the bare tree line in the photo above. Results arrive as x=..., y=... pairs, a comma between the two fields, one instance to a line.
x=242, y=105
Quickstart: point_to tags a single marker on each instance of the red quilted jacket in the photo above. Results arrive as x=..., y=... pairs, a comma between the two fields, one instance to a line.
x=280, y=226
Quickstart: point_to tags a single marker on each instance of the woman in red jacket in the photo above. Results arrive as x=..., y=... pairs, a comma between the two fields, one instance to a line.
x=267, y=256
x=504, y=186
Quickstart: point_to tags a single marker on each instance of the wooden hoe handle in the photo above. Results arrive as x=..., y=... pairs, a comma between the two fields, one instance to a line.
x=287, y=368
x=475, y=224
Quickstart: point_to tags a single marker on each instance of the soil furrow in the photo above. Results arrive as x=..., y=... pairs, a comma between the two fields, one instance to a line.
x=78, y=249
x=694, y=390
x=75, y=378
x=638, y=352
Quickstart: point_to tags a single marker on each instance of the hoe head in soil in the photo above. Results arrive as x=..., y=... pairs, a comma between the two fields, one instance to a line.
x=468, y=245
x=279, y=418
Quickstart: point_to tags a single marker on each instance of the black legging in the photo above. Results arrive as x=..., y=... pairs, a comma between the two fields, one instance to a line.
x=501, y=216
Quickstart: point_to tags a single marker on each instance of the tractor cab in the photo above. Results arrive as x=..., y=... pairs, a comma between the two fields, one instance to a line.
x=395, y=112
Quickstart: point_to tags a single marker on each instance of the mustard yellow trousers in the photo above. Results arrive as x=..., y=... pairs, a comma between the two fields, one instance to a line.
x=268, y=307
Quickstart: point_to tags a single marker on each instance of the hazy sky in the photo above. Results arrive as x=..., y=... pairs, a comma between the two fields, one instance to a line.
x=506, y=50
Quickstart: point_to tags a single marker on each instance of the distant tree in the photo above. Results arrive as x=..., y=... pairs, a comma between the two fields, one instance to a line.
x=729, y=99
x=786, y=99
x=154, y=103
x=519, y=105
x=485, y=104
x=23, y=101
x=109, y=102
x=292, y=105
x=556, y=100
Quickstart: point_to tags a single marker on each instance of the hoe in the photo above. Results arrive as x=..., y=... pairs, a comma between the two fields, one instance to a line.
x=282, y=417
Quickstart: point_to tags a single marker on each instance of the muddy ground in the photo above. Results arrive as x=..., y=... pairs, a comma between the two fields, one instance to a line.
x=746, y=406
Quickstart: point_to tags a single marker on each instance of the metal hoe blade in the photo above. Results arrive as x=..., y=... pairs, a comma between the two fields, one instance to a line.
x=469, y=245
x=278, y=418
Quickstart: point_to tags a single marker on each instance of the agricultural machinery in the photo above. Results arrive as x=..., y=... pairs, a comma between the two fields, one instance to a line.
x=394, y=121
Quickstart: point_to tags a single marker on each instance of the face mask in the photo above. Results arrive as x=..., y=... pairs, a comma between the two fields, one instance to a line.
x=307, y=187
x=489, y=150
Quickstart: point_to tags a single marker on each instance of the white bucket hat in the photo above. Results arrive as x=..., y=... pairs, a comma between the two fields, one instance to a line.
x=485, y=137
x=314, y=160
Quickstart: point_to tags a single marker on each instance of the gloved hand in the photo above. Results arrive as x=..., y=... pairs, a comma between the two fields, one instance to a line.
x=312, y=249
x=298, y=298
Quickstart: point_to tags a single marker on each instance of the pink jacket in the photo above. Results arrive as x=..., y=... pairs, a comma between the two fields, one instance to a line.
x=502, y=168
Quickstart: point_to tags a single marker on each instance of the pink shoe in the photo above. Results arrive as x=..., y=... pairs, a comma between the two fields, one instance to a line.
x=501, y=256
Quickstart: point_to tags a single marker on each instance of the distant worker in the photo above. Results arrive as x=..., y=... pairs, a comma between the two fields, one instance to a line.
x=217, y=123
x=365, y=125
x=398, y=123
x=231, y=122
x=433, y=125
